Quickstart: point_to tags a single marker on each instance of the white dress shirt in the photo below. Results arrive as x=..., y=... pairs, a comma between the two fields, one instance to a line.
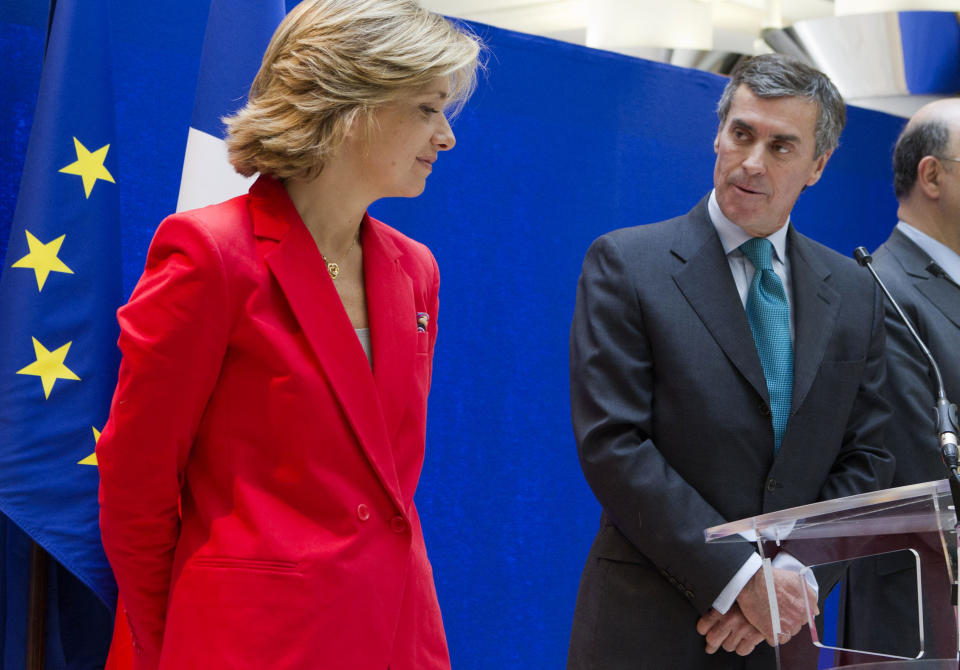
x=732, y=236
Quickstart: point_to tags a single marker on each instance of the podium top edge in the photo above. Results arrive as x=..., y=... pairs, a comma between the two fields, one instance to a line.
x=779, y=524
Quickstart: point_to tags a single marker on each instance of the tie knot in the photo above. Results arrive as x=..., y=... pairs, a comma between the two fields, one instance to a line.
x=760, y=252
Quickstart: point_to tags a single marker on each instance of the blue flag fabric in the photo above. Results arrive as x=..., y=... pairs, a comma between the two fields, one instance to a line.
x=225, y=76
x=59, y=290
x=226, y=72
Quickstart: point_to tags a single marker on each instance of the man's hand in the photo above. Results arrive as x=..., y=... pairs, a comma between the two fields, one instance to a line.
x=791, y=590
x=731, y=631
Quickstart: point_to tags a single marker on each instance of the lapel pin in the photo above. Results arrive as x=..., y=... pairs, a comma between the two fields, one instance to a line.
x=422, y=320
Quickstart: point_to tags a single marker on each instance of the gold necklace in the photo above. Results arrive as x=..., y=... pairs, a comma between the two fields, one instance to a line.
x=333, y=268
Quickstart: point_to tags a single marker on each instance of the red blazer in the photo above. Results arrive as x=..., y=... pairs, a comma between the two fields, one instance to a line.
x=245, y=399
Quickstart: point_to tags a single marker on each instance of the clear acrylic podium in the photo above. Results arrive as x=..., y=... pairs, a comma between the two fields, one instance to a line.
x=917, y=519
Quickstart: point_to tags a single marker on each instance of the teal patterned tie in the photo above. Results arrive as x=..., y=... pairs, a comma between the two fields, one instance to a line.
x=769, y=315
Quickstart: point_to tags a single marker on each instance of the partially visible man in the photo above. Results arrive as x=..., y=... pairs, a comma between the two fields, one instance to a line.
x=722, y=365
x=879, y=612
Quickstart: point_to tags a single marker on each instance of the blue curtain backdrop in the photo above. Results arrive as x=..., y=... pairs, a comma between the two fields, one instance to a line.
x=559, y=144
x=23, y=28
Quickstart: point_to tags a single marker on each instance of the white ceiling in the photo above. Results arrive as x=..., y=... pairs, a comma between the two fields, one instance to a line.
x=689, y=32
x=736, y=24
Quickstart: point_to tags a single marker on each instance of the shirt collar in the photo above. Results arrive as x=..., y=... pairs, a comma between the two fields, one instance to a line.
x=732, y=235
x=944, y=256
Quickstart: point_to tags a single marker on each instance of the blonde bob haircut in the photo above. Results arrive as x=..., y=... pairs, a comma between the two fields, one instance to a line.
x=331, y=64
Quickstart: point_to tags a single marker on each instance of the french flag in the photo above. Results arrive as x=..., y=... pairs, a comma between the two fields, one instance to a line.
x=238, y=32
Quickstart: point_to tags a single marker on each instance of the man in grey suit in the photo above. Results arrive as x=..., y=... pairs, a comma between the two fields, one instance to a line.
x=880, y=612
x=722, y=365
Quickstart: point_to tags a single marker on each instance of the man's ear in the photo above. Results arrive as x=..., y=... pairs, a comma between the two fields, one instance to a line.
x=819, y=164
x=929, y=172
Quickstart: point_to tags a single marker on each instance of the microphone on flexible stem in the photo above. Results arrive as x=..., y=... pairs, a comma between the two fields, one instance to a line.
x=946, y=411
x=939, y=272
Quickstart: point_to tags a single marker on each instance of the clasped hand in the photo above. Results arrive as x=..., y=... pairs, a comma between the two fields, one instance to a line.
x=747, y=622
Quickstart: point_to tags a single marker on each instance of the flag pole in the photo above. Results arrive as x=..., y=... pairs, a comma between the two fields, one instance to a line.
x=37, y=600
x=37, y=607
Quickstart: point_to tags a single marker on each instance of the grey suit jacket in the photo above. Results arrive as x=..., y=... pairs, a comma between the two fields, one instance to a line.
x=933, y=306
x=672, y=421
x=879, y=604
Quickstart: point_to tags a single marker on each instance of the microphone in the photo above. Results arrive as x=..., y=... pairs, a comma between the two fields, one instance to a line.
x=946, y=412
x=938, y=271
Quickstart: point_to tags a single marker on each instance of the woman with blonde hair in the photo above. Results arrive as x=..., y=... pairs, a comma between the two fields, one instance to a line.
x=267, y=432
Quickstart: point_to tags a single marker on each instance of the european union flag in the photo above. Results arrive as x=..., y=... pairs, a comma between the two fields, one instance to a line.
x=59, y=290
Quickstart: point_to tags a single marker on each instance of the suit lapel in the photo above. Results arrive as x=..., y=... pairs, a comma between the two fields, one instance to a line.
x=944, y=296
x=297, y=266
x=816, y=305
x=393, y=321
x=707, y=283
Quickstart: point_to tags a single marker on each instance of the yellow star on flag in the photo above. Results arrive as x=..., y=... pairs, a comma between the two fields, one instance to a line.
x=49, y=366
x=89, y=166
x=92, y=458
x=42, y=258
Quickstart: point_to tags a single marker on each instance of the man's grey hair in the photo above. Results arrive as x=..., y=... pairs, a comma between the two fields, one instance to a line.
x=926, y=138
x=779, y=76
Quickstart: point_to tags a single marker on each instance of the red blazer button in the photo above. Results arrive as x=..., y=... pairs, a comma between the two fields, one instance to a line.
x=397, y=524
x=363, y=512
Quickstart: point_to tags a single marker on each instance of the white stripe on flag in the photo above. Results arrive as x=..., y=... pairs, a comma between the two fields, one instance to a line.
x=208, y=177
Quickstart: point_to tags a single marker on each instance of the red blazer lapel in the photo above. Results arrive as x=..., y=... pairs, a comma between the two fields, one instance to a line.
x=299, y=270
x=393, y=321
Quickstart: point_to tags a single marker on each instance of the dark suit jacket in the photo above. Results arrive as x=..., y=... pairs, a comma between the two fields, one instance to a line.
x=879, y=611
x=672, y=421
